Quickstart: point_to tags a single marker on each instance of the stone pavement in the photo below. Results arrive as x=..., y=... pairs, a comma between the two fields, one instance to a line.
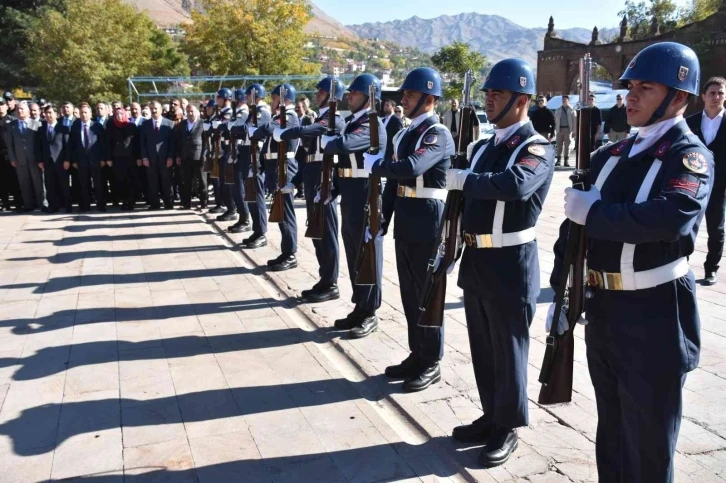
x=142, y=347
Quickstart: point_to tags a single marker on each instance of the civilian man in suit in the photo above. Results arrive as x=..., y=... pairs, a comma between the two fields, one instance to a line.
x=67, y=118
x=391, y=122
x=157, y=149
x=710, y=127
x=54, y=142
x=88, y=147
x=189, y=158
x=24, y=155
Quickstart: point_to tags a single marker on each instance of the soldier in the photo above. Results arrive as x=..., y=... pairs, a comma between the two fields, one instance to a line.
x=504, y=189
x=641, y=215
x=8, y=177
x=327, y=248
x=224, y=109
x=285, y=103
x=241, y=164
x=415, y=190
x=351, y=181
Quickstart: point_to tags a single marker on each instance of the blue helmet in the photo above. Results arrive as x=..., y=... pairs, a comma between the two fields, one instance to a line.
x=211, y=103
x=338, y=86
x=423, y=79
x=239, y=95
x=289, y=92
x=669, y=63
x=259, y=90
x=513, y=75
x=363, y=82
x=225, y=93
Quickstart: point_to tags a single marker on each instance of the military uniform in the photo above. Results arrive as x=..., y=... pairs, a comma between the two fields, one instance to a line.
x=8, y=177
x=225, y=157
x=351, y=182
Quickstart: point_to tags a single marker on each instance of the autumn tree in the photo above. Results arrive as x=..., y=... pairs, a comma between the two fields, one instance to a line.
x=455, y=60
x=88, y=51
x=245, y=38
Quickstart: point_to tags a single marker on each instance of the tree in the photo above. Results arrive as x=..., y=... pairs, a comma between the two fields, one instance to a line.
x=699, y=9
x=251, y=37
x=455, y=60
x=17, y=18
x=640, y=17
x=88, y=52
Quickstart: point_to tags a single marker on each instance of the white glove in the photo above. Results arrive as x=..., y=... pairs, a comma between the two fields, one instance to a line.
x=277, y=133
x=578, y=203
x=289, y=188
x=215, y=124
x=324, y=140
x=251, y=130
x=250, y=174
x=455, y=178
x=368, y=237
x=317, y=198
x=369, y=160
x=206, y=126
x=562, y=324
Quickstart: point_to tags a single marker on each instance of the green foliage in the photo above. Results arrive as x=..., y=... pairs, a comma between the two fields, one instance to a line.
x=454, y=60
x=640, y=16
x=89, y=51
x=699, y=9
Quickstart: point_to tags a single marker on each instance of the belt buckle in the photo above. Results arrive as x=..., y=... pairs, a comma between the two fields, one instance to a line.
x=469, y=239
x=401, y=191
x=613, y=281
x=594, y=279
x=484, y=241
x=410, y=192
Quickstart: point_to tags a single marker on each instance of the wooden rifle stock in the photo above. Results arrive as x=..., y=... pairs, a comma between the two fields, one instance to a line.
x=277, y=211
x=251, y=181
x=316, y=222
x=448, y=240
x=215, y=160
x=558, y=363
x=229, y=173
x=207, y=142
x=367, y=268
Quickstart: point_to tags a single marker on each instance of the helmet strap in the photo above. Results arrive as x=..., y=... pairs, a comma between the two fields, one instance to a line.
x=419, y=105
x=660, y=112
x=361, y=107
x=506, y=109
x=325, y=101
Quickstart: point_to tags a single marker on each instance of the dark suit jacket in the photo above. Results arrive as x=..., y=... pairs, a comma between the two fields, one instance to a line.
x=23, y=148
x=717, y=146
x=53, y=149
x=94, y=152
x=394, y=125
x=121, y=142
x=157, y=146
x=189, y=143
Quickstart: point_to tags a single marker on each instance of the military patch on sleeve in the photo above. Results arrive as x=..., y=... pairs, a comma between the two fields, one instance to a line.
x=695, y=162
x=420, y=151
x=618, y=148
x=528, y=161
x=430, y=139
x=686, y=183
x=536, y=149
x=662, y=149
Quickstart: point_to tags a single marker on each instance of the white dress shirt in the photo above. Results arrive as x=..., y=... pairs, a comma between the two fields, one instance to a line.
x=709, y=127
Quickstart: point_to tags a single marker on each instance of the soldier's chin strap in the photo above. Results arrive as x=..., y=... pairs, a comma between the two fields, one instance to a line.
x=660, y=112
x=419, y=105
x=325, y=101
x=362, y=105
x=506, y=109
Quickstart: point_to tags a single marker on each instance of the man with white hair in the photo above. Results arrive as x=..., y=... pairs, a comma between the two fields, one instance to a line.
x=24, y=154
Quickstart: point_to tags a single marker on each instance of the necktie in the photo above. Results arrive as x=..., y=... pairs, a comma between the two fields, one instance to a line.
x=50, y=132
x=22, y=126
x=156, y=127
x=85, y=135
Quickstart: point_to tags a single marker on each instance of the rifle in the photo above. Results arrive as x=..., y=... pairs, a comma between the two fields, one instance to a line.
x=316, y=222
x=449, y=246
x=251, y=181
x=229, y=173
x=558, y=362
x=206, y=140
x=217, y=145
x=367, y=269
x=277, y=210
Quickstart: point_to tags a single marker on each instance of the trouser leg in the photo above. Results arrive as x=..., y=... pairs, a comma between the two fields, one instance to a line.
x=715, y=226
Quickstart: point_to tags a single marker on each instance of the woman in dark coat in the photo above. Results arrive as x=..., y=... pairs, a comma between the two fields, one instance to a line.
x=123, y=151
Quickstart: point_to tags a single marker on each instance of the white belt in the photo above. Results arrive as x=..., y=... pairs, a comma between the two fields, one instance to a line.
x=246, y=142
x=639, y=280
x=499, y=240
x=317, y=157
x=430, y=193
x=352, y=173
x=290, y=155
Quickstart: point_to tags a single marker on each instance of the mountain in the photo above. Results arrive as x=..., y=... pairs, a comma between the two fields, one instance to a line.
x=168, y=13
x=494, y=36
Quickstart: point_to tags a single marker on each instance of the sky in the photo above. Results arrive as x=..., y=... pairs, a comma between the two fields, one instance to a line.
x=527, y=13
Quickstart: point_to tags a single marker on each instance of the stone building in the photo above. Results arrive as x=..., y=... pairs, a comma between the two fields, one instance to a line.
x=558, y=62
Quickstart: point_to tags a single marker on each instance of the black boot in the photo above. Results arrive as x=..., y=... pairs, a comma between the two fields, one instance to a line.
x=288, y=262
x=228, y=216
x=217, y=210
x=424, y=378
x=499, y=447
x=567, y=164
x=365, y=328
x=710, y=279
x=557, y=162
x=476, y=432
x=321, y=294
x=408, y=368
x=240, y=227
x=349, y=321
x=255, y=241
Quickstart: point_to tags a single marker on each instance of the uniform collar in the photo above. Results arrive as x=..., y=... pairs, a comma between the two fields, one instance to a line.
x=649, y=135
x=359, y=114
x=323, y=111
x=501, y=135
x=419, y=119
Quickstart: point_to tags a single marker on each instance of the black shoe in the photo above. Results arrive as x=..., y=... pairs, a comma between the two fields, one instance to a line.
x=286, y=264
x=567, y=164
x=499, y=447
x=240, y=227
x=217, y=210
x=710, y=279
x=321, y=294
x=228, y=216
x=364, y=329
x=476, y=432
x=276, y=260
x=255, y=242
x=557, y=163
x=408, y=368
x=203, y=206
x=419, y=382
x=351, y=320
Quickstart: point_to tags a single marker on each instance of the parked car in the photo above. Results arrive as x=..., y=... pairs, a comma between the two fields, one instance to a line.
x=484, y=125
